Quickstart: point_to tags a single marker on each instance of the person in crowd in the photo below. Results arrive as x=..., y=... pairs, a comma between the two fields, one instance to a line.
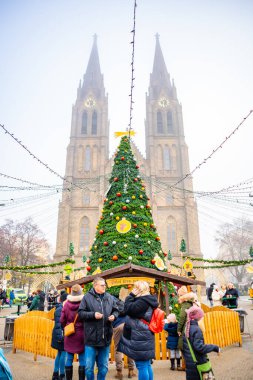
x=137, y=341
x=2, y=296
x=74, y=344
x=118, y=326
x=98, y=310
x=30, y=299
x=50, y=300
x=42, y=296
x=172, y=340
x=232, y=296
x=58, y=341
x=216, y=296
x=186, y=299
x=209, y=293
x=5, y=371
x=11, y=297
x=35, y=302
x=195, y=336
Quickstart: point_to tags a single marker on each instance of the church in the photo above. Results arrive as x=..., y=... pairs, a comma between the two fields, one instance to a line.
x=88, y=164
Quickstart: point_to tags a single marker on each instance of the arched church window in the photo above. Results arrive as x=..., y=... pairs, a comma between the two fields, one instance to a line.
x=84, y=234
x=87, y=159
x=171, y=233
x=84, y=123
x=167, y=158
x=170, y=127
x=94, y=123
x=159, y=117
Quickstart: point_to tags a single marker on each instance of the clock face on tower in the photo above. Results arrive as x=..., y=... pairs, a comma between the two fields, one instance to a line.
x=89, y=102
x=163, y=102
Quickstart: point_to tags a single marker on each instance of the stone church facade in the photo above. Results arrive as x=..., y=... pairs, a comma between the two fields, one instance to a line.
x=88, y=165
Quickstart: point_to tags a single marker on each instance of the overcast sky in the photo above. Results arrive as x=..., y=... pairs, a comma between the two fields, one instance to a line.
x=207, y=46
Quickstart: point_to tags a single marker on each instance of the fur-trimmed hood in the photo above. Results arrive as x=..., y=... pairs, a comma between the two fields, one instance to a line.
x=71, y=298
x=188, y=297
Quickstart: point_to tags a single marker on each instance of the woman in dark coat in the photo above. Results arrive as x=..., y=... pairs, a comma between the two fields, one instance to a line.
x=58, y=341
x=73, y=344
x=195, y=336
x=137, y=340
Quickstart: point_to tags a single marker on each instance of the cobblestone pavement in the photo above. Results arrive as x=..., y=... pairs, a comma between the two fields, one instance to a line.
x=235, y=363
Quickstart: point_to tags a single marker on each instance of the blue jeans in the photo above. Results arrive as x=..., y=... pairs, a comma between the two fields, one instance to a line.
x=145, y=371
x=101, y=356
x=59, y=363
x=70, y=358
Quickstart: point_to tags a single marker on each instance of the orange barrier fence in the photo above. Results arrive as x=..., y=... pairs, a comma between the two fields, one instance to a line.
x=222, y=326
x=43, y=314
x=33, y=332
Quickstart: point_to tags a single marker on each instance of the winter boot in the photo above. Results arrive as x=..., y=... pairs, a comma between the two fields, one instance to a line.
x=81, y=372
x=172, y=366
x=69, y=373
x=55, y=376
x=179, y=368
x=119, y=374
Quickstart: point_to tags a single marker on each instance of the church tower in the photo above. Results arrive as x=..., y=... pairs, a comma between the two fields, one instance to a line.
x=167, y=162
x=86, y=164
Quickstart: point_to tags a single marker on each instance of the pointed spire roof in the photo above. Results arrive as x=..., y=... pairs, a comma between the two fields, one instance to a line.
x=160, y=78
x=93, y=77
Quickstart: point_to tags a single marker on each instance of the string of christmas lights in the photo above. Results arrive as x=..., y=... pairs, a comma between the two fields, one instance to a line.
x=214, y=150
x=132, y=72
x=35, y=157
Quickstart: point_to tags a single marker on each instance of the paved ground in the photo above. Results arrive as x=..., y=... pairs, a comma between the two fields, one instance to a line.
x=235, y=363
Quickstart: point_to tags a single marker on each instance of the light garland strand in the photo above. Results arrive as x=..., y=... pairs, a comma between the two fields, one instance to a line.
x=132, y=72
x=35, y=157
x=214, y=150
x=226, y=262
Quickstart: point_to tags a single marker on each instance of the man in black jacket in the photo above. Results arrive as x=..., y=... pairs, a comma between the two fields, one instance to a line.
x=98, y=310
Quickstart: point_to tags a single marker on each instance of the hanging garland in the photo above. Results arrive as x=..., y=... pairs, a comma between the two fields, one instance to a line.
x=225, y=262
x=37, y=266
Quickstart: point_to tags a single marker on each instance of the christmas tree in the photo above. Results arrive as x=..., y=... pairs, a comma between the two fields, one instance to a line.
x=126, y=231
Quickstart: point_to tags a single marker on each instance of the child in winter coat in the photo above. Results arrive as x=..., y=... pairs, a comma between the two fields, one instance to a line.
x=195, y=336
x=172, y=340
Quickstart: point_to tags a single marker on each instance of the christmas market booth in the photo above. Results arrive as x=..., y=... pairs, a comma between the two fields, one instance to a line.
x=125, y=275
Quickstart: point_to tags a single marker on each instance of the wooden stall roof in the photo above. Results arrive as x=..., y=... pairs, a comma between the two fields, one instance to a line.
x=131, y=270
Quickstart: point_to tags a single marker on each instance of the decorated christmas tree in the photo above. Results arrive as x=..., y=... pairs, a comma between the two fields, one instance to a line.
x=126, y=231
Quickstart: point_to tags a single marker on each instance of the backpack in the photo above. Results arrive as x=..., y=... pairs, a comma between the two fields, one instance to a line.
x=156, y=323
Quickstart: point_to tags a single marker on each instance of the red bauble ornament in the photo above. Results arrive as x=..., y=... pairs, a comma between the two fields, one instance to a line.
x=164, y=293
x=111, y=203
x=152, y=261
x=101, y=217
x=141, y=252
x=165, y=254
x=105, y=200
x=101, y=232
x=118, y=194
x=152, y=226
x=105, y=243
x=148, y=206
x=88, y=261
x=135, y=225
x=172, y=294
x=88, y=268
x=115, y=258
x=157, y=238
x=124, y=208
x=135, y=179
x=137, y=166
x=116, y=179
x=122, y=158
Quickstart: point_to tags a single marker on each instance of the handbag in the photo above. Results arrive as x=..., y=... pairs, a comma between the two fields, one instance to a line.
x=70, y=328
x=205, y=370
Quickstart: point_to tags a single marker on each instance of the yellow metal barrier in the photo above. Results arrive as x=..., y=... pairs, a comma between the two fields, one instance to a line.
x=43, y=314
x=34, y=334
